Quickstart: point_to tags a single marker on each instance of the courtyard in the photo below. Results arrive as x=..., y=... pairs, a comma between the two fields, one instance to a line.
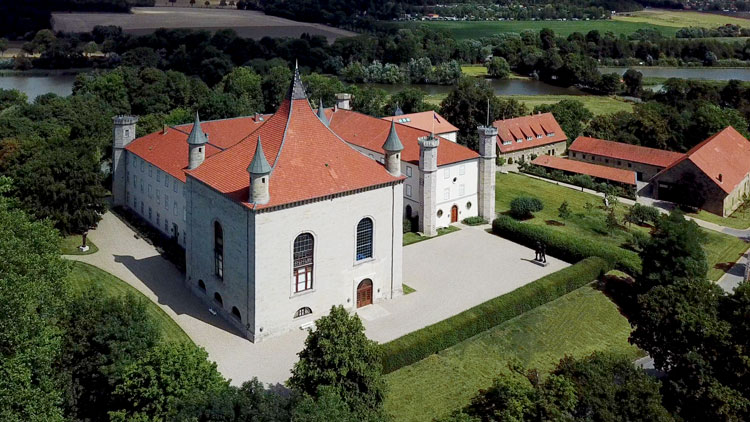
x=450, y=273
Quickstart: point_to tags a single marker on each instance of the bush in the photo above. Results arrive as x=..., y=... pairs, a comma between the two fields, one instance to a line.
x=564, y=246
x=564, y=210
x=474, y=221
x=420, y=344
x=641, y=214
x=582, y=180
x=407, y=225
x=637, y=241
x=525, y=206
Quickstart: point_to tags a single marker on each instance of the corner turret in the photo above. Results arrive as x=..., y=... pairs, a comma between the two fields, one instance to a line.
x=392, y=148
x=428, y=165
x=486, y=183
x=260, y=171
x=197, y=144
x=122, y=135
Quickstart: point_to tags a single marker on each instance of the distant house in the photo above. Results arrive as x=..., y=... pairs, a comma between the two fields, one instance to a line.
x=716, y=172
x=645, y=162
x=428, y=121
x=523, y=138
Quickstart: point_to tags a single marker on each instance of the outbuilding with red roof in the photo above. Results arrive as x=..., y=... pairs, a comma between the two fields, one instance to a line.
x=645, y=162
x=522, y=138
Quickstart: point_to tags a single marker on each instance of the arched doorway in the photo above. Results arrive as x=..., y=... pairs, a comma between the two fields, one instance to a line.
x=454, y=213
x=364, y=293
x=408, y=211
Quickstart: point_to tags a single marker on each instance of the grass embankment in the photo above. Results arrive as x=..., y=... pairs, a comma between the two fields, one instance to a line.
x=740, y=219
x=679, y=19
x=589, y=221
x=576, y=324
x=69, y=246
x=463, y=30
x=84, y=276
x=410, y=238
x=595, y=103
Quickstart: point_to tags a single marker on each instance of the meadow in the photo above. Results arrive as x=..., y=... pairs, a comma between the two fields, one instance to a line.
x=595, y=103
x=679, y=19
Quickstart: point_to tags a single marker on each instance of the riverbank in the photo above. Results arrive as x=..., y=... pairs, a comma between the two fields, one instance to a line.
x=36, y=73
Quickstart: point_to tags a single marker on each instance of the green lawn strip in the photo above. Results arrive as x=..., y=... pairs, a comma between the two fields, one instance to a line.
x=680, y=18
x=411, y=237
x=407, y=289
x=424, y=342
x=722, y=251
x=84, y=276
x=589, y=223
x=576, y=324
x=69, y=245
x=740, y=219
x=477, y=29
x=474, y=70
x=597, y=104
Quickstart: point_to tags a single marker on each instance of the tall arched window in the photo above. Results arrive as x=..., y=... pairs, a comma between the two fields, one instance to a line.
x=236, y=313
x=217, y=298
x=304, y=246
x=364, y=239
x=218, y=250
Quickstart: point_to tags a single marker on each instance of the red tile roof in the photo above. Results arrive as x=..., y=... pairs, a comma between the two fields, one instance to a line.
x=370, y=133
x=169, y=151
x=580, y=167
x=528, y=126
x=425, y=121
x=623, y=151
x=725, y=154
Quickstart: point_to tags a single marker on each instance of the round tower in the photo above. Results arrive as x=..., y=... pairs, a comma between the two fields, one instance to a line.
x=428, y=159
x=122, y=135
x=197, y=144
x=260, y=172
x=486, y=183
x=392, y=148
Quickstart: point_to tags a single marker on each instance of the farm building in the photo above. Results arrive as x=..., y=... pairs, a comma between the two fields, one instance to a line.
x=599, y=173
x=645, y=162
x=714, y=175
x=428, y=121
x=522, y=138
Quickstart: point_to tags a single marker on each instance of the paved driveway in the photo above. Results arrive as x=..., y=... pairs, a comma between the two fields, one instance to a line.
x=451, y=273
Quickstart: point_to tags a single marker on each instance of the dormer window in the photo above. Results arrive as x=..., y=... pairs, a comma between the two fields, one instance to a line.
x=538, y=136
x=528, y=138
x=519, y=140
x=551, y=134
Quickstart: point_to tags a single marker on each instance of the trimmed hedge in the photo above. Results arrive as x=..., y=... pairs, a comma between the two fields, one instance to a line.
x=420, y=344
x=564, y=246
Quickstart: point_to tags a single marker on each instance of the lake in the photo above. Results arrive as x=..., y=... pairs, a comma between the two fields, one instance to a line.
x=35, y=86
x=710, y=73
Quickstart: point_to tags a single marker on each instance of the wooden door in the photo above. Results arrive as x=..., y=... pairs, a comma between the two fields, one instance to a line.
x=364, y=293
x=454, y=214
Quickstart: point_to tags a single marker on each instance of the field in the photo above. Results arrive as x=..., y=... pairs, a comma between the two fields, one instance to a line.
x=84, y=275
x=722, y=250
x=477, y=29
x=576, y=324
x=144, y=20
x=679, y=19
x=597, y=104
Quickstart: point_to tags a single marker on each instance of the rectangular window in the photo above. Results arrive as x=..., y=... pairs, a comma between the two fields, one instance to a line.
x=175, y=207
x=166, y=202
x=408, y=171
x=528, y=138
x=166, y=181
x=141, y=186
x=461, y=190
x=447, y=173
x=408, y=191
x=158, y=217
x=150, y=170
x=158, y=176
x=166, y=225
x=143, y=166
x=184, y=214
x=149, y=213
x=538, y=136
x=462, y=169
x=446, y=193
x=149, y=190
x=174, y=185
x=574, y=154
x=158, y=196
x=141, y=207
x=135, y=181
x=551, y=134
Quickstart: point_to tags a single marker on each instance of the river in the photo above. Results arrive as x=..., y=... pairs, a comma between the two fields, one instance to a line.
x=34, y=86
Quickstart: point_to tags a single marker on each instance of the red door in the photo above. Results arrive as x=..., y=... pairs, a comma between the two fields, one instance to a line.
x=364, y=293
x=454, y=214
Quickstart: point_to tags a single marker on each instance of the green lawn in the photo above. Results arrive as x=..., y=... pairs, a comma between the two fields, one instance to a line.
x=597, y=104
x=411, y=237
x=474, y=70
x=69, y=246
x=721, y=249
x=478, y=29
x=84, y=275
x=679, y=19
x=576, y=324
x=740, y=219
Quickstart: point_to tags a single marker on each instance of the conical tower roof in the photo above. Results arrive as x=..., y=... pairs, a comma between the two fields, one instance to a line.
x=197, y=137
x=398, y=111
x=297, y=89
x=259, y=165
x=393, y=143
x=322, y=114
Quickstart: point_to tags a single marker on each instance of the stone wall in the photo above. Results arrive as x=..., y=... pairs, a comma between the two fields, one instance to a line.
x=644, y=172
x=550, y=149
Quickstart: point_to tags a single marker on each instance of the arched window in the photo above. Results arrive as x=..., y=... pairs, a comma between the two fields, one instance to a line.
x=217, y=298
x=304, y=246
x=408, y=211
x=202, y=285
x=236, y=313
x=302, y=312
x=218, y=250
x=364, y=239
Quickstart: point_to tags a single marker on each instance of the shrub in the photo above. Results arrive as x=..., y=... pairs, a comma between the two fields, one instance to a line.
x=641, y=214
x=637, y=241
x=407, y=225
x=564, y=246
x=474, y=221
x=419, y=344
x=525, y=206
x=564, y=210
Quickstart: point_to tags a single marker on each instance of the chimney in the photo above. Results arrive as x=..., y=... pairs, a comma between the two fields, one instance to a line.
x=164, y=129
x=343, y=101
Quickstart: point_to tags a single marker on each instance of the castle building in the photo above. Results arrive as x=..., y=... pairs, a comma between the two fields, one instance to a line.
x=428, y=121
x=284, y=215
x=527, y=137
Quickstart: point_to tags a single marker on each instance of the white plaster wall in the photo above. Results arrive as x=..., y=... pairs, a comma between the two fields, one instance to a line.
x=451, y=136
x=151, y=186
x=336, y=273
x=469, y=179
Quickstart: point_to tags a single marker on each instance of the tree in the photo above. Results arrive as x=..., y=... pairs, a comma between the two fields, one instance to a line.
x=245, y=85
x=498, y=68
x=275, y=85
x=564, y=210
x=642, y=214
x=609, y=83
x=572, y=116
x=3, y=45
x=524, y=207
x=675, y=251
x=327, y=406
x=409, y=100
x=339, y=357
x=151, y=388
x=323, y=88
x=33, y=294
x=633, y=80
